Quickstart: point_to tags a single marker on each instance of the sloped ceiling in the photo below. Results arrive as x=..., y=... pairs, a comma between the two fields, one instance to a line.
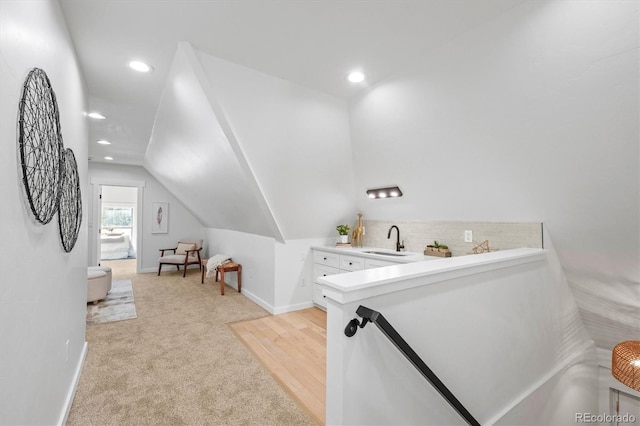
x=311, y=43
x=250, y=152
x=190, y=154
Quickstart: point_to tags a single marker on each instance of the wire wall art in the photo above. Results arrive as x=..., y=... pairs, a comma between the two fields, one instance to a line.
x=40, y=143
x=70, y=205
x=49, y=172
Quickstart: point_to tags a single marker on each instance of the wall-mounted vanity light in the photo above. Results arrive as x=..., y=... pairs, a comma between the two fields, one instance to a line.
x=392, y=192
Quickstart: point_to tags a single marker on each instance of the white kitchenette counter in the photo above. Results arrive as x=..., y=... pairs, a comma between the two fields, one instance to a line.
x=330, y=261
x=365, y=283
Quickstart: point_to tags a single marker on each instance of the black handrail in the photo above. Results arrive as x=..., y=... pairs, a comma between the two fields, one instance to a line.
x=379, y=320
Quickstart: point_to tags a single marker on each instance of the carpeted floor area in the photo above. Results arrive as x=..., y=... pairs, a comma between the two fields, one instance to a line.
x=178, y=363
x=119, y=305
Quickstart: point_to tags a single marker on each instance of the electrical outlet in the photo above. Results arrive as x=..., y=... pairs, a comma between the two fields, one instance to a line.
x=468, y=236
x=302, y=282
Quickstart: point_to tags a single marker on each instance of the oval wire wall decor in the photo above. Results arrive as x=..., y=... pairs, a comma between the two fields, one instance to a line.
x=70, y=204
x=41, y=147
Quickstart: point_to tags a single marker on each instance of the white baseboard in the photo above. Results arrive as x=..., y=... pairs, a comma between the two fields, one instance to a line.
x=279, y=309
x=291, y=308
x=74, y=386
x=258, y=301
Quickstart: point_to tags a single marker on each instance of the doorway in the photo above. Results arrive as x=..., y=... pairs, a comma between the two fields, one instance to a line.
x=116, y=221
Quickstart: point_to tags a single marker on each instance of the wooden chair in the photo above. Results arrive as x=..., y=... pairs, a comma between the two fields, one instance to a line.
x=186, y=253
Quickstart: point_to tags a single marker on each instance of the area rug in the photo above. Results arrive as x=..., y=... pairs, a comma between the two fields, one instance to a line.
x=118, y=306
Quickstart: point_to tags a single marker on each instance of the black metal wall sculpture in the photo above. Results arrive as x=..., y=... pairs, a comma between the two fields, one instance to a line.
x=49, y=172
x=70, y=205
x=40, y=141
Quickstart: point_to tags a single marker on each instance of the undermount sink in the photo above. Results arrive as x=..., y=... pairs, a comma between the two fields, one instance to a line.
x=385, y=253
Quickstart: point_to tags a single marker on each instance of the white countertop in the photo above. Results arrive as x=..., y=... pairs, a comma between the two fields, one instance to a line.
x=372, y=282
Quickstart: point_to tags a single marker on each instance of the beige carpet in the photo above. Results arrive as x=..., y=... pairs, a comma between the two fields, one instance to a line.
x=178, y=363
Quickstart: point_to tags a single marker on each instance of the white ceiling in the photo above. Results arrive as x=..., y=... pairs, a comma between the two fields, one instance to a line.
x=312, y=43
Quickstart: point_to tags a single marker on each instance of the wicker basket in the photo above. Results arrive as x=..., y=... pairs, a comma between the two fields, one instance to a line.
x=625, y=363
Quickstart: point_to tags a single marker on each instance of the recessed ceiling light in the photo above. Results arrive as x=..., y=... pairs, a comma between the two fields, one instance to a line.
x=103, y=142
x=140, y=66
x=96, y=115
x=356, y=77
x=108, y=158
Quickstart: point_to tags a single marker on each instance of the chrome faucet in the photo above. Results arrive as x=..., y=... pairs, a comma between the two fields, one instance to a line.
x=398, y=245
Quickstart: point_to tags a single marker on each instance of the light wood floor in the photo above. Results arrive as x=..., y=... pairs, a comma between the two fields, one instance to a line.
x=120, y=267
x=292, y=347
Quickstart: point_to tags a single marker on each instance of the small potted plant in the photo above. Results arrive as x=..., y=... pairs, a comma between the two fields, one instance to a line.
x=437, y=249
x=343, y=231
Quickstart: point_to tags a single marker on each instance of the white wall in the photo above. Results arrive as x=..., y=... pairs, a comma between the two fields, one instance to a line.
x=274, y=275
x=43, y=289
x=256, y=254
x=293, y=266
x=530, y=117
x=505, y=337
x=182, y=224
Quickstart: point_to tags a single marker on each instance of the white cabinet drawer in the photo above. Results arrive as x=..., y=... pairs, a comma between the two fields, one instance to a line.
x=377, y=263
x=318, y=298
x=326, y=258
x=323, y=271
x=351, y=263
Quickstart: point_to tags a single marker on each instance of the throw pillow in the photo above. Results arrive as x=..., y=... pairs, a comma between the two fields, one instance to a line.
x=183, y=247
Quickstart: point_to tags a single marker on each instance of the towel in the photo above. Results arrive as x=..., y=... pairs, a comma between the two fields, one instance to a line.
x=214, y=262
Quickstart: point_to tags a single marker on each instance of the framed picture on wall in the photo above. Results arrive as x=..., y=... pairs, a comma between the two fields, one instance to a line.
x=160, y=218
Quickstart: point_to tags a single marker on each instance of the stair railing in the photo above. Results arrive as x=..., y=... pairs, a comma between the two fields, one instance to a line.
x=369, y=315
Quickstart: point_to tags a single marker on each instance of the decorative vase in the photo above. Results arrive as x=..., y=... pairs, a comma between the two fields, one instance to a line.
x=358, y=233
x=344, y=239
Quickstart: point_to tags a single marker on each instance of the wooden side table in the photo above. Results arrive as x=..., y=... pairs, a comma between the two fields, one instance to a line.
x=221, y=269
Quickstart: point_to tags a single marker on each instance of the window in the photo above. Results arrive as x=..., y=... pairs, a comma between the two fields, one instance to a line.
x=117, y=219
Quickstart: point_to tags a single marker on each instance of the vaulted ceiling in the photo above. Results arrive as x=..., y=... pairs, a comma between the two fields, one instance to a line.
x=312, y=43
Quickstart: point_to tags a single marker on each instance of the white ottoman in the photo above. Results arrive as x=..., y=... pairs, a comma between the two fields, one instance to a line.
x=97, y=286
x=107, y=270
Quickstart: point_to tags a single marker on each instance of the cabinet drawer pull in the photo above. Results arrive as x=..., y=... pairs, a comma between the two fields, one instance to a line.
x=324, y=258
x=350, y=263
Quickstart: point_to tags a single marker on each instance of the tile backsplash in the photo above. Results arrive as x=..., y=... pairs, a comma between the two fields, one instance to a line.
x=416, y=235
